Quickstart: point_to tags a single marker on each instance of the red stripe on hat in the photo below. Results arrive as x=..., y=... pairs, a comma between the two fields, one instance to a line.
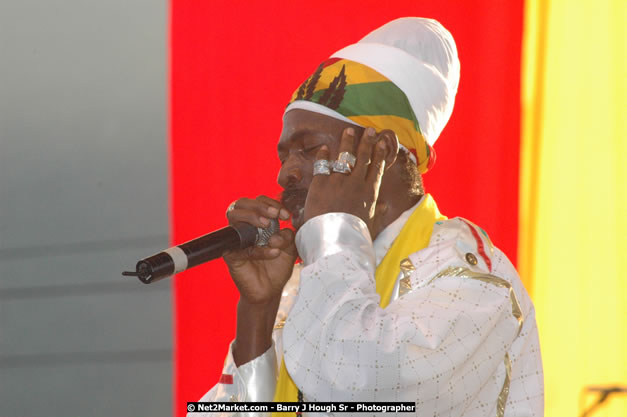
x=431, y=158
x=330, y=62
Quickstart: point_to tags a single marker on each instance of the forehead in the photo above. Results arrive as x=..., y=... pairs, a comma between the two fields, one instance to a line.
x=299, y=124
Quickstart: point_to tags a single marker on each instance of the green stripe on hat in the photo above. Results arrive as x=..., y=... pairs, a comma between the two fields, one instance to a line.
x=373, y=99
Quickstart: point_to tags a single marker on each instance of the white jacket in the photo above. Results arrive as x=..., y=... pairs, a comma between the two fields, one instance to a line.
x=459, y=337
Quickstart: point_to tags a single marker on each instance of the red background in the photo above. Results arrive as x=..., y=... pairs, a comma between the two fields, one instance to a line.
x=234, y=65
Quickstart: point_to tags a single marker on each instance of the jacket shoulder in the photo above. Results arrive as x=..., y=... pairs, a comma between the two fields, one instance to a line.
x=471, y=243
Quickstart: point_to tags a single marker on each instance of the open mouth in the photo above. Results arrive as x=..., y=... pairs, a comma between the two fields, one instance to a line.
x=294, y=201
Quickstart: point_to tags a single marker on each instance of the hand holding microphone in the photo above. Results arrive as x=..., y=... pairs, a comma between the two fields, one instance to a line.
x=260, y=273
x=260, y=257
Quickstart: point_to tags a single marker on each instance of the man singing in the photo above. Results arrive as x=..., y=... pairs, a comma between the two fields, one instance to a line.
x=392, y=300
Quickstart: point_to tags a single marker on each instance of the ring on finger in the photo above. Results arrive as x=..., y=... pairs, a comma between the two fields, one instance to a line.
x=347, y=157
x=322, y=167
x=342, y=167
x=230, y=208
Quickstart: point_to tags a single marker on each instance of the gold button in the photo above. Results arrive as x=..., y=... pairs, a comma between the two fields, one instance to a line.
x=233, y=398
x=471, y=258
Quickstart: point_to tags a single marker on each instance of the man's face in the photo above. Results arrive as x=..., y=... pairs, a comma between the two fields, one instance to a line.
x=303, y=134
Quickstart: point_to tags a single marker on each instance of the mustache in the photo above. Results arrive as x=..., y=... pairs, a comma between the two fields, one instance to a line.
x=293, y=198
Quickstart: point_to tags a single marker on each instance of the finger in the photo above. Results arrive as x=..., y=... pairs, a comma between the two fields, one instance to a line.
x=262, y=205
x=282, y=239
x=250, y=216
x=281, y=242
x=289, y=245
x=253, y=253
x=262, y=253
x=364, y=152
x=377, y=166
x=347, y=144
x=274, y=206
x=323, y=153
x=237, y=204
x=236, y=257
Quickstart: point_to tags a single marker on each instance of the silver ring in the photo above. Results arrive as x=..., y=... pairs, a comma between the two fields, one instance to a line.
x=230, y=208
x=347, y=157
x=342, y=167
x=321, y=167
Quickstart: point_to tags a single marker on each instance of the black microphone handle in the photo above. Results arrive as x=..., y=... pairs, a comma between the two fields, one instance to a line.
x=195, y=252
x=213, y=245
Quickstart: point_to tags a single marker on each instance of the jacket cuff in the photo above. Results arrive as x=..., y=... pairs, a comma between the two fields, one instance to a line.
x=259, y=376
x=333, y=233
x=253, y=381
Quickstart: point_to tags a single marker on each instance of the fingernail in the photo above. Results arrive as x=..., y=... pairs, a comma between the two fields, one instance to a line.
x=350, y=131
x=265, y=221
x=370, y=131
x=274, y=251
x=284, y=214
x=273, y=211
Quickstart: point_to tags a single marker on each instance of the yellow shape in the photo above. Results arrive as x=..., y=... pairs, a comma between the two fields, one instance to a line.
x=573, y=195
x=414, y=236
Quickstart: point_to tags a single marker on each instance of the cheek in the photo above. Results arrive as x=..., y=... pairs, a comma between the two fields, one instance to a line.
x=307, y=169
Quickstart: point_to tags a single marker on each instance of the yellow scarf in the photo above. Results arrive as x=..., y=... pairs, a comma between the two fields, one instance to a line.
x=414, y=236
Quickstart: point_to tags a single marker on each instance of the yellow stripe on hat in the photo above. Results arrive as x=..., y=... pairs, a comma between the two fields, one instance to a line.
x=405, y=132
x=369, y=99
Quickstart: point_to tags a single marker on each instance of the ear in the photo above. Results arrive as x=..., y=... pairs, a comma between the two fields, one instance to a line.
x=391, y=146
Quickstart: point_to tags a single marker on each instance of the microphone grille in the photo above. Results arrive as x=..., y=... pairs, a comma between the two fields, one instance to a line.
x=263, y=234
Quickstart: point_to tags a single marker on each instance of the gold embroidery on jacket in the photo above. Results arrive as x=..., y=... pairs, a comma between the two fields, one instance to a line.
x=516, y=312
x=502, y=399
x=404, y=285
x=487, y=278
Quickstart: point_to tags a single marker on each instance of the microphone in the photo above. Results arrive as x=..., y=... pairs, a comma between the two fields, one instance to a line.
x=200, y=250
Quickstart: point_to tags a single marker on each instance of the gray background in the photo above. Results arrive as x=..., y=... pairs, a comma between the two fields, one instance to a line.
x=83, y=195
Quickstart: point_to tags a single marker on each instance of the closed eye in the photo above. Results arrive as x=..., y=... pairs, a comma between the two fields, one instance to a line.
x=312, y=149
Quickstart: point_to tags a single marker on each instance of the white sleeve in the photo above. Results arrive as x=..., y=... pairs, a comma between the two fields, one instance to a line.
x=441, y=345
x=253, y=381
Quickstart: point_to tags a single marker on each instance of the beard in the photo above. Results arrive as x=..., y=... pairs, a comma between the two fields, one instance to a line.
x=293, y=199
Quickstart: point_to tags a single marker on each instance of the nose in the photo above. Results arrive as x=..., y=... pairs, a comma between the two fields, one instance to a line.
x=291, y=171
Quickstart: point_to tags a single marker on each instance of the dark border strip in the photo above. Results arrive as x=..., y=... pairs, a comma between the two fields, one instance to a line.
x=82, y=247
x=84, y=358
x=89, y=289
